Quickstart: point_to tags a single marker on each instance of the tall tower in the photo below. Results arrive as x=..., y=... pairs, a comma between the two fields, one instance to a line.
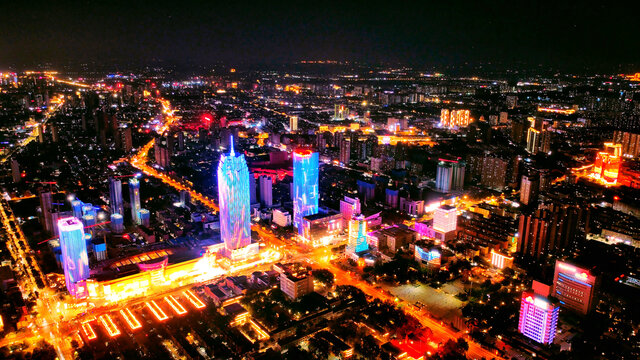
x=233, y=193
x=266, y=191
x=358, y=234
x=305, y=186
x=115, y=191
x=74, y=254
x=538, y=318
x=444, y=176
x=134, y=199
x=46, y=205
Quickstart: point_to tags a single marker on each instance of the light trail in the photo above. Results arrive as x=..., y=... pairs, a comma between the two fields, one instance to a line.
x=88, y=331
x=197, y=303
x=175, y=305
x=156, y=310
x=109, y=325
x=130, y=319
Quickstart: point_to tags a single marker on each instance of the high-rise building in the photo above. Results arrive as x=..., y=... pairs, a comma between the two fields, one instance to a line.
x=345, y=151
x=266, y=193
x=348, y=207
x=305, y=186
x=134, y=199
x=15, y=171
x=445, y=219
x=538, y=318
x=575, y=287
x=76, y=206
x=533, y=235
x=117, y=223
x=630, y=143
x=392, y=197
x=357, y=234
x=145, y=217
x=457, y=180
x=252, y=189
x=115, y=192
x=293, y=123
x=46, y=205
x=234, y=200
x=533, y=140
x=494, y=172
x=529, y=188
x=444, y=176
x=74, y=255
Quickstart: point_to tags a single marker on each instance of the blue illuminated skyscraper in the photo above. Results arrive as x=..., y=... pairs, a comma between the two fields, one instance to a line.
x=115, y=192
x=134, y=199
x=74, y=255
x=305, y=186
x=234, y=201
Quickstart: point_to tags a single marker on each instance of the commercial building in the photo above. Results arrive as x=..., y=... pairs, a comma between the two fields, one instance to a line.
x=501, y=260
x=117, y=223
x=575, y=287
x=428, y=256
x=538, y=317
x=234, y=202
x=75, y=261
x=115, y=198
x=357, y=234
x=305, y=186
x=445, y=219
x=322, y=228
x=134, y=199
x=145, y=217
x=348, y=207
x=281, y=217
x=607, y=165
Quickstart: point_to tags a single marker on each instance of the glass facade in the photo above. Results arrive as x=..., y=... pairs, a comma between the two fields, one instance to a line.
x=74, y=254
x=234, y=201
x=305, y=186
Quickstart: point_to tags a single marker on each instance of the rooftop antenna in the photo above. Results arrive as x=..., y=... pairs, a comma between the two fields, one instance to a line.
x=232, y=153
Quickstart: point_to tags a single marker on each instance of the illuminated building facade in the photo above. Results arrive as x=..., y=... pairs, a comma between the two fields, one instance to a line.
x=538, y=318
x=357, y=234
x=501, y=260
x=454, y=118
x=429, y=257
x=348, y=207
x=450, y=175
x=305, y=186
x=74, y=255
x=234, y=201
x=607, y=165
x=574, y=287
x=445, y=219
x=115, y=192
x=134, y=199
x=321, y=229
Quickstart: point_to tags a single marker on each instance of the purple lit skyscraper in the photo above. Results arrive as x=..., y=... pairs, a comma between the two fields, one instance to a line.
x=234, y=201
x=538, y=318
x=74, y=255
x=305, y=186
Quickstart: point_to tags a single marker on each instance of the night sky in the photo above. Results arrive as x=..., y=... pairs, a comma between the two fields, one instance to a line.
x=565, y=34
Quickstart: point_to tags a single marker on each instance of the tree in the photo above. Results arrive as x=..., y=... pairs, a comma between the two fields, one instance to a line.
x=324, y=276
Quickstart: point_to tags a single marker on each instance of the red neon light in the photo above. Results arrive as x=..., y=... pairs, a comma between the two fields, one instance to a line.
x=303, y=152
x=109, y=325
x=156, y=310
x=175, y=305
x=130, y=319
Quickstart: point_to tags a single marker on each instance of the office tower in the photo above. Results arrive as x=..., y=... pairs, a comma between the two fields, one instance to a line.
x=575, y=287
x=76, y=206
x=145, y=217
x=529, y=188
x=117, y=223
x=266, y=193
x=305, y=186
x=357, y=234
x=15, y=171
x=538, y=318
x=345, y=151
x=445, y=219
x=134, y=199
x=348, y=207
x=444, y=176
x=234, y=200
x=115, y=192
x=46, y=204
x=293, y=123
x=74, y=254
